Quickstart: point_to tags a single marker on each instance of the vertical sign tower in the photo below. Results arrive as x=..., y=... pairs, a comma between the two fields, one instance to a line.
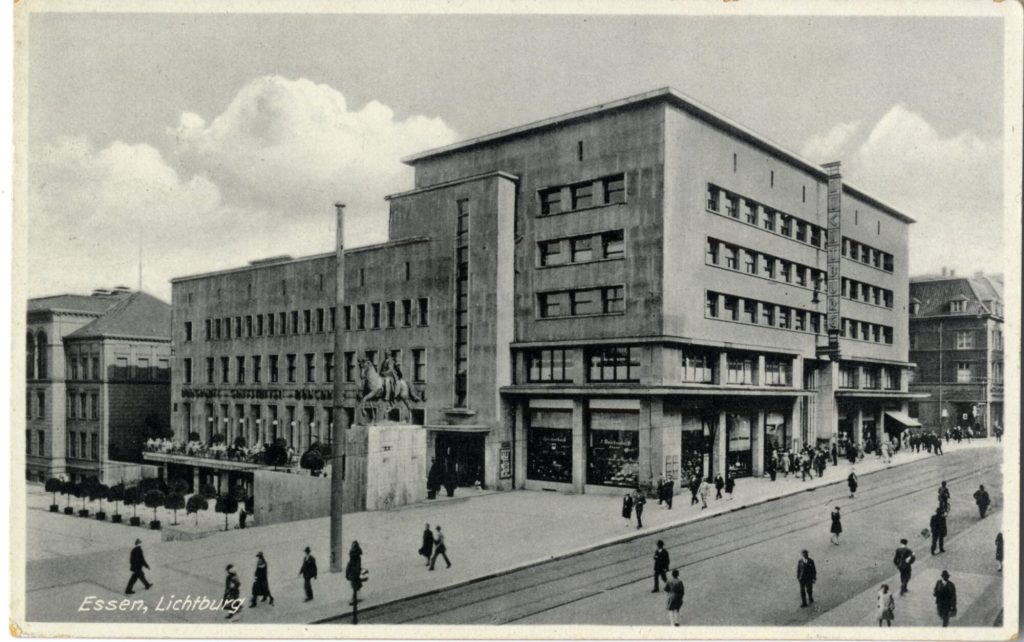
x=833, y=255
x=340, y=418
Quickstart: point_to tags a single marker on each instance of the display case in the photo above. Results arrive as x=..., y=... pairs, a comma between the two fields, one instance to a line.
x=613, y=458
x=549, y=455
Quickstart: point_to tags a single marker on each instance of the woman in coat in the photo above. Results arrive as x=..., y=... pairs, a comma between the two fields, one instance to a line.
x=886, y=606
x=851, y=481
x=837, y=526
x=427, y=545
x=261, y=583
x=627, y=508
x=674, y=588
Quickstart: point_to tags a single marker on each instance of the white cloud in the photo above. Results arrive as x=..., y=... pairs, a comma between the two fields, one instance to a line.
x=824, y=148
x=259, y=179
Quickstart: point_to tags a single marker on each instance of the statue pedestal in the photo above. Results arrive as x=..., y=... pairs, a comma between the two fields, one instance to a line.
x=396, y=465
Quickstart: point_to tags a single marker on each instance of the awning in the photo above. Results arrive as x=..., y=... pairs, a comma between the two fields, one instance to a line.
x=903, y=418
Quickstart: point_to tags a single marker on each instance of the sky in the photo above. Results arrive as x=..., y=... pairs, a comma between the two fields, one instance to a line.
x=206, y=141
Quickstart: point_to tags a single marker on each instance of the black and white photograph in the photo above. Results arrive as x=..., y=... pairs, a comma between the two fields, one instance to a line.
x=679, y=320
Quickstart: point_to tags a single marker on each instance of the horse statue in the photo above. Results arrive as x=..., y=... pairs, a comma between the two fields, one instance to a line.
x=385, y=392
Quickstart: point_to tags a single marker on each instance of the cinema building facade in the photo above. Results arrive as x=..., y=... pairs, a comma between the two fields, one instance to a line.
x=584, y=303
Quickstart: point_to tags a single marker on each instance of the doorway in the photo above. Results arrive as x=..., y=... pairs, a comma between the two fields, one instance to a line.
x=460, y=455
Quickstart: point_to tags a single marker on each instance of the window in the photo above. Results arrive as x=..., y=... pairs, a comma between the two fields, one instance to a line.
x=274, y=370
x=612, y=299
x=890, y=378
x=259, y=325
x=295, y=322
x=964, y=339
x=732, y=205
x=361, y=316
x=227, y=328
x=290, y=361
x=750, y=311
x=751, y=212
x=799, y=320
x=390, y=313
x=71, y=405
x=612, y=363
x=698, y=367
x=768, y=314
x=347, y=313
x=319, y=319
x=209, y=333
x=551, y=200
x=240, y=369
x=784, y=317
x=963, y=372
x=95, y=405
x=613, y=244
x=786, y=271
x=332, y=318
x=815, y=323
x=42, y=442
x=957, y=306
x=551, y=253
x=801, y=275
x=310, y=368
x=816, y=236
x=787, y=225
x=778, y=371
x=375, y=316
x=257, y=368
x=282, y=323
x=187, y=369
x=583, y=302
x=188, y=331
x=225, y=367
x=580, y=249
x=740, y=369
x=350, y=366
x=870, y=378
x=731, y=307
x=865, y=254
x=545, y=366
x=248, y=325
x=329, y=367
x=419, y=364
x=750, y=261
x=887, y=262
x=424, y=311
x=711, y=250
x=769, y=220
x=582, y=195
x=731, y=252
x=614, y=189
x=768, y=266
x=801, y=231
x=270, y=324
x=406, y=313
x=711, y=304
x=848, y=376
x=307, y=321
x=41, y=408
x=713, y=196
x=209, y=370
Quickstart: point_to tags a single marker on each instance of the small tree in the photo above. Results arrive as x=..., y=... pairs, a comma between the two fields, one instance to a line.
x=81, y=491
x=53, y=487
x=115, y=495
x=218, y=438
x=67, y=488
x=240, y=442
x=195, y=504
x=98, y=492
x=174, y=501
x=133, y=497
x=277, y=453
x=178, y=485
x=154, y=499
x=228, y=505
x=208, y=491
x=193, y=436
x=312, y=460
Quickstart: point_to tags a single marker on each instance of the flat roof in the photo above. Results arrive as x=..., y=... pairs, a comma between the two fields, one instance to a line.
x=677, y=99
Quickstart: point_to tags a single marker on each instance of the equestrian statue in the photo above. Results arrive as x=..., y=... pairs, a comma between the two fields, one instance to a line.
x=385, y=389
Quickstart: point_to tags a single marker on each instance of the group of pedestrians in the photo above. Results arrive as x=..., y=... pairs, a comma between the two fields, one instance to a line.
x=674, y=587
x=927, y=440
x=433, y=546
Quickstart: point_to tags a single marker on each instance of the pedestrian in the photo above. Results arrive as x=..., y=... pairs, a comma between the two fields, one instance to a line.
x=805, y=468
x=427, y=544
x=784, y=464
x=261, y=582
x=638, y=507
x=231, y=586
x=354, y=570
x=904, y=560
x=938, y=526
x=837, y=526
x=886, y=606
x=694, y=489
x=439, y=549
x=851, y=481
x=773, y=467
x=670, y=489
x=945, y=598
x=719, y=485
x=938, y=446
x=242, y=516
x=308, y=573
x=137, y=562
x=660, y=565
x=944, y=498
x=806, y=575
x=999, y=552
x=730, y=485
x=627, y=508
x=835, y=454
x=675, y=589
x=981, y=498
x=705, y=489
x=661, y=490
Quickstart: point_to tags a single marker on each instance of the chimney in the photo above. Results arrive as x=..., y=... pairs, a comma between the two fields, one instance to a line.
x=943, y=270
x=979, y=274
x=952, y=272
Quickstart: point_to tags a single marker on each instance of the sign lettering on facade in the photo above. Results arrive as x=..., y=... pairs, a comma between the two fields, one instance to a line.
x=258, y=393
x=833, y=246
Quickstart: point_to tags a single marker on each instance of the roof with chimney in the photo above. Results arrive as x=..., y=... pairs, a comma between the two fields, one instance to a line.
x=136, y=316
x=94, y=304
x=980, y=294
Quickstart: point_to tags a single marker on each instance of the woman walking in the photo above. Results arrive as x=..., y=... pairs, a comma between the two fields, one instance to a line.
x=837, y=526
x=427, y=546
x=851, y=481
x=886, y=606
x=730, y=485
x=627, y=509
x=674, y=588
x=261, y=583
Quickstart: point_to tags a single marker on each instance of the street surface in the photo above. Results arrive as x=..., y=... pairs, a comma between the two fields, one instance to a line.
x=740, y=568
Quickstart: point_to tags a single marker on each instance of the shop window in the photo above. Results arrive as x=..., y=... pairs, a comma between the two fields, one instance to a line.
x=613, y=363
x=613, y=456
x=549, y=446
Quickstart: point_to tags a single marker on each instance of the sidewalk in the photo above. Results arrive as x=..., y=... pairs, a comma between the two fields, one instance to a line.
x=480, y=533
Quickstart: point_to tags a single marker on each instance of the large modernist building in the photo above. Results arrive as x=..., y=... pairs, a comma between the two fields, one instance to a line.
x=584, y=303
x=956, y=340
x=98, y=383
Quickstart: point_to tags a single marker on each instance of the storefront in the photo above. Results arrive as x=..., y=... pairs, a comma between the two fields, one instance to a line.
x=613, y=448
x=692, y=449
x=549, y=446
x=460, y=456
x=776, y=435
x=739, y=454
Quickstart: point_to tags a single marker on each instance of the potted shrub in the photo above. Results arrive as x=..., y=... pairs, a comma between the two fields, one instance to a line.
x=67, y=489
x=312, y=460
x=98, y=492
x=154, y=499
x=174, y=501
x=133, y=497
x=53, y=486
x=115, y=495
x=81, y=490
x=195, y=504
x=228, y=505
x=193, y=436
x=240, y=442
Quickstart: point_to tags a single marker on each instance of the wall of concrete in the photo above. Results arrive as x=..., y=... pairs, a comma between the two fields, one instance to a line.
x=283, y=497
x=396, y=469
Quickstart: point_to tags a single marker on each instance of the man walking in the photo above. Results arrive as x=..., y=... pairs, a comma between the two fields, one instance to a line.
x=427, y=544
x=938, y=526
x=806, y=575
x=719, y=485
x=903, y=560
x=945, y=598
x=835, y=454
x=137, y=562
x=694, y=489
x=261, y=582
x=670, y=489
x=704, y=489
x=981, y=498
x=944, y=498
x=660, y=566
x=730, y=485
x=675, y=589
x=638, y=507
x=308, y=573
x=439, y=549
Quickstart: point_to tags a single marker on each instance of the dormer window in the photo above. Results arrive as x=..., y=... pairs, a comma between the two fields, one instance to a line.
x=915, y=308
x=957, y=306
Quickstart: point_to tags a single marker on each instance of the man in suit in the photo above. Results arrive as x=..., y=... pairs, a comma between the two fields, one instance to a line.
x=638, y=507
x=945, y=598
x=660, y=565
x=938, y=526
x=308, y=573
x=806, y=575
x=981, y=498
x=670, y=490
x=439, y=550
x=137, y=562
x=903, y=559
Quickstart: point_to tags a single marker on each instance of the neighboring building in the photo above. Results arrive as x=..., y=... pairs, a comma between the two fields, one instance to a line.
x=956, y=340
x=585, y=303
x=98, y=379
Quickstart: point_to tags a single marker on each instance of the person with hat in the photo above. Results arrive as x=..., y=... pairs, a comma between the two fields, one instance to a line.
x=945, y=598
x=231, y=586
x=308, y=573
x=938, y=526
x=903, y=560
x=806, y=576
x=137, y=562
x=261, y=583
x=660, y=565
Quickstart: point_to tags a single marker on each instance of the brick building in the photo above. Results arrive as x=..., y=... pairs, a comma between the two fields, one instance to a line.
x=956, y=340
x=98, y=379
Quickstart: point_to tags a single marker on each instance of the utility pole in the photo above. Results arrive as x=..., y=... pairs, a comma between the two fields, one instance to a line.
x=340, y=419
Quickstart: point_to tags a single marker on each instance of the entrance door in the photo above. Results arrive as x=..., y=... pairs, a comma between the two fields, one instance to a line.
x=460, y=455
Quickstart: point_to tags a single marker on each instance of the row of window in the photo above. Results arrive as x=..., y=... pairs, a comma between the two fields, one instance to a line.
x=866, y=293
x=702, y=366
x=869, y=377
x=863, y=253
x=865, y=331
x=36, y=351
x=387, y=314
x=733, y=308
x=40, y=404
x=607, y=190
x=727, y=203
x=82, y=367
x=582, y=249
x=962, y=340
x=83, y=445
x=734, y=257
x=251, y=369
x=85, y=368
x=269, y=324
x=40, y=444
x=581, y=302
x=83, y=405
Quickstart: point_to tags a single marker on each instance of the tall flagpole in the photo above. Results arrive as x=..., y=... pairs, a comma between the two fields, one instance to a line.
x=340, y=419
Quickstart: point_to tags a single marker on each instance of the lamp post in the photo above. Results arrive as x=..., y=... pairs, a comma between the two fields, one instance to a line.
x=338, y=427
